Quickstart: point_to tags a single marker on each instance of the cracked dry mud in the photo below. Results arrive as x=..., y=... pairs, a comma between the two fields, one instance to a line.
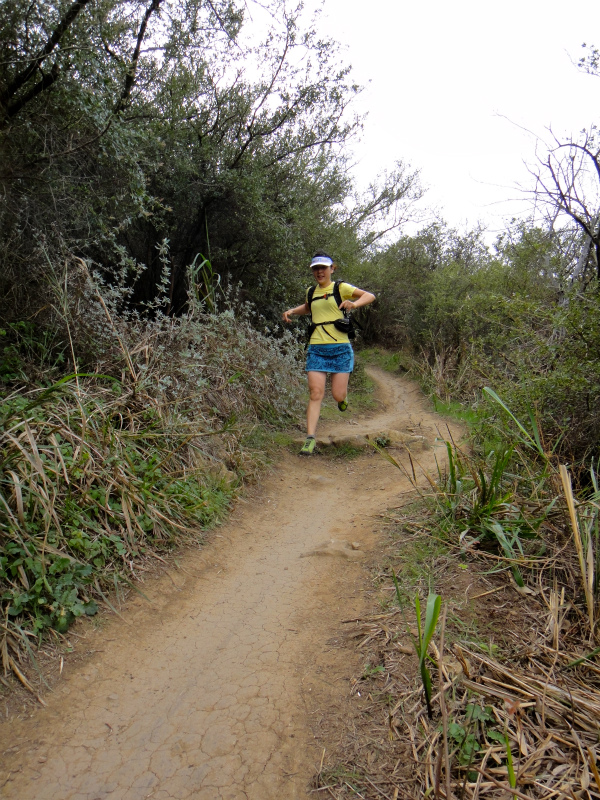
x=215, y=689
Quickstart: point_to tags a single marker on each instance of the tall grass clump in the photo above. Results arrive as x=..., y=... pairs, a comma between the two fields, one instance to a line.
x=123, y=434
x=522, y=499
x=91, y=481
x=486, y=502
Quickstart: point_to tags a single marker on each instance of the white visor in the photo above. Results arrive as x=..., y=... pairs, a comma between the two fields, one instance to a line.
x=319, y=261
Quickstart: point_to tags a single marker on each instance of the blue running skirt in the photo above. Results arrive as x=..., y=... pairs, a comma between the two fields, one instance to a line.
x=330, y=358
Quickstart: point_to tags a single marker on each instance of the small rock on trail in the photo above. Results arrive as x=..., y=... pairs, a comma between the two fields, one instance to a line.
x=348, y=550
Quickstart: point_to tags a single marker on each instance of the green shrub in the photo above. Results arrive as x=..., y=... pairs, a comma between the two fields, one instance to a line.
x=102, y=469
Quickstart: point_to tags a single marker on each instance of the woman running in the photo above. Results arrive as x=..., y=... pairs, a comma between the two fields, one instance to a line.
x=329, y=349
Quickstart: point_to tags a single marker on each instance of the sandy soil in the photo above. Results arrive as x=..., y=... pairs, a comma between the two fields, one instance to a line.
x=216, y=689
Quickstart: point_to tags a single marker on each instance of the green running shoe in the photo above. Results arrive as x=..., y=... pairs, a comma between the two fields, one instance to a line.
x=343, y=404
x=308, y=448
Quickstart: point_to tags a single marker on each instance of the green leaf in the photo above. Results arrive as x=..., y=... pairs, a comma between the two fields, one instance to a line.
x=527, y=439
x=90, y=608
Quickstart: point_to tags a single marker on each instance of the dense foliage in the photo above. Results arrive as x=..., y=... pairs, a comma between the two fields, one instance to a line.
x=514, y=319
x=136, y=139
x=125, y=125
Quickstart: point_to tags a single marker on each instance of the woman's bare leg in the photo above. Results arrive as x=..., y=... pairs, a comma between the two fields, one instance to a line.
x=316, y=388
x=339, y=385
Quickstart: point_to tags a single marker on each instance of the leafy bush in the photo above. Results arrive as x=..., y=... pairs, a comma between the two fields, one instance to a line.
x=102, y=469
x=513, y=320
x=86, y=488
x=551, y=366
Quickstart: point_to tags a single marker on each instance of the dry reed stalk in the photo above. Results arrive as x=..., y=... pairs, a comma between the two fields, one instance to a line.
x=23, y=680
x=443, y=704
x=587, y=571
x=593, y=767
x=506, y=786
x=554, y=758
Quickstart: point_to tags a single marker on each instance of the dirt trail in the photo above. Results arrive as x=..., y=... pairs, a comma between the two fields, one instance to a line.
x=207, y=693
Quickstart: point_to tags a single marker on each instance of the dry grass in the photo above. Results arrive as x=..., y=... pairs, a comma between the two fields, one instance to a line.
x=517, y=700
x=104, y=470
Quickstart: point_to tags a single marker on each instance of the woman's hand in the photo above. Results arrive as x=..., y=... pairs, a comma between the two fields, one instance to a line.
x=361, y=298
x=295, y=312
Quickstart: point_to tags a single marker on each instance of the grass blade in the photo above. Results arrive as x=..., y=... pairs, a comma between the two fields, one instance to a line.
x=528, y=439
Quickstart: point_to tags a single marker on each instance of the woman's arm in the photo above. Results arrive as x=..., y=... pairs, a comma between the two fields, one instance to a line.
x=296, y=312
x=362, y=299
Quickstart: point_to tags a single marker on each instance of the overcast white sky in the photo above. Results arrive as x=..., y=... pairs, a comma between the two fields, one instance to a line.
x=442, y=77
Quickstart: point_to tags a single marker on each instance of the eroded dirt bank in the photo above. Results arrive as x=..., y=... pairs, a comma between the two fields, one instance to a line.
x=206, y=693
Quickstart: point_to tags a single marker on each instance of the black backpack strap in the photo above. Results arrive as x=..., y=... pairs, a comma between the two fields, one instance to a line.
x=338, y=300
x=337, y=294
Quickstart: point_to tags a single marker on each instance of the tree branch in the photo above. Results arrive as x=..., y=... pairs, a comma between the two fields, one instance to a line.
x=23, y=77
x=40, y=86
x=132, y=70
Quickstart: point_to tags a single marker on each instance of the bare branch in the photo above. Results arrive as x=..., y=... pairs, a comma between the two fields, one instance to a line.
x=132, y=70
x=24, y=76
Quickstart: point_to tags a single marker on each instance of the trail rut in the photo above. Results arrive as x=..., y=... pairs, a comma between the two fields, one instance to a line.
x=207, y=691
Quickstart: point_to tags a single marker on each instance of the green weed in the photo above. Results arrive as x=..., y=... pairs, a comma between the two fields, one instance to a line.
x=478, y=503
x=424, y=636
x=488, y=648
x=470, y=733
x=382, y=441
x=372, y=672
x=416, y=567
x=530, y=439
x=346, y=450
x=267, y=440
x=341, y=776
x=455, y=410
x=390, y=361
x=512, y=778
x=205, y=282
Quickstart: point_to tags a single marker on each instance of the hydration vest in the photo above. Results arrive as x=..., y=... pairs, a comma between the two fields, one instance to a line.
x=344, y=324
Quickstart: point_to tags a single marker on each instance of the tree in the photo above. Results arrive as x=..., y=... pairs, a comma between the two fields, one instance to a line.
x=127, y=125
x=568, y=185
